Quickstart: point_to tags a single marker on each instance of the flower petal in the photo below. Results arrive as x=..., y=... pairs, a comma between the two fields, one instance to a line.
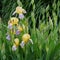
x=31, y=41
x=14, y=13
x=22, y=44
x=14, y=48
x=10, y=26
x=17, y=32
x=21, y=16
x=8, y=37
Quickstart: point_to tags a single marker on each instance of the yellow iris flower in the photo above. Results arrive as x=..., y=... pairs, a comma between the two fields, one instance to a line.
x=26, y=38
x=20, y=10
x=13, y=21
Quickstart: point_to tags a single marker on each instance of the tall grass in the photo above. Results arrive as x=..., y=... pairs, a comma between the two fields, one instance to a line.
x=44, y=28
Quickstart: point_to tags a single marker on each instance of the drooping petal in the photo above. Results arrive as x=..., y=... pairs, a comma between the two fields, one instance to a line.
x=22, y=44
x=24, y=11
x=31, y=41
x=14, y=48
x=17, y=32
x=8, y=37
x=21, y=16
x=14, y=13
x=10, y=26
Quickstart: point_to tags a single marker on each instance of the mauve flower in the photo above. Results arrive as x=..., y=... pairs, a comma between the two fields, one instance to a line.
x=22, y=44
x=21, y=16
x=14, y=48
x=10, y=26
x=17, y=32
x=8, y=37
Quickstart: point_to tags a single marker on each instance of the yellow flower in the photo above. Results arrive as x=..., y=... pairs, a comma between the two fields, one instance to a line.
x=20, y=28
x=13, y=21
x=16, y=41
x=20, y=10
x=26, y=38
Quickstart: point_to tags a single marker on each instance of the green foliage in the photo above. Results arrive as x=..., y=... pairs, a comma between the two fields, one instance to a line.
x=44, y=28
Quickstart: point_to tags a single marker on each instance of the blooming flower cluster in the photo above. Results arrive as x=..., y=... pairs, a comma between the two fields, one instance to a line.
x=14, y=29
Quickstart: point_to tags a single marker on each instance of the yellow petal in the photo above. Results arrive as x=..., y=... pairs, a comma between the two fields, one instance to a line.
x=19, y=10
x=20, y=28
x=26, y=38
x=14, y=20
x=16, y=41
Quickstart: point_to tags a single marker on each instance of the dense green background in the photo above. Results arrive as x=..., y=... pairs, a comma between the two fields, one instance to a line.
x=43, y=25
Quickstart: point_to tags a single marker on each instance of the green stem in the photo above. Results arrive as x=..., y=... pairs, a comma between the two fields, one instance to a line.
x=32, y=14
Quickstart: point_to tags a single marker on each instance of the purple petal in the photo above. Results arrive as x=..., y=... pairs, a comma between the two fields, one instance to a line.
x=22, y=44
x=21, y=16
x=14, y=48
x=10, y=26
x=8, y=37
x=17, y=32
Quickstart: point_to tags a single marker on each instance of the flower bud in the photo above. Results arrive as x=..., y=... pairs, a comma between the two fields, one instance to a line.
x=16, y=41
